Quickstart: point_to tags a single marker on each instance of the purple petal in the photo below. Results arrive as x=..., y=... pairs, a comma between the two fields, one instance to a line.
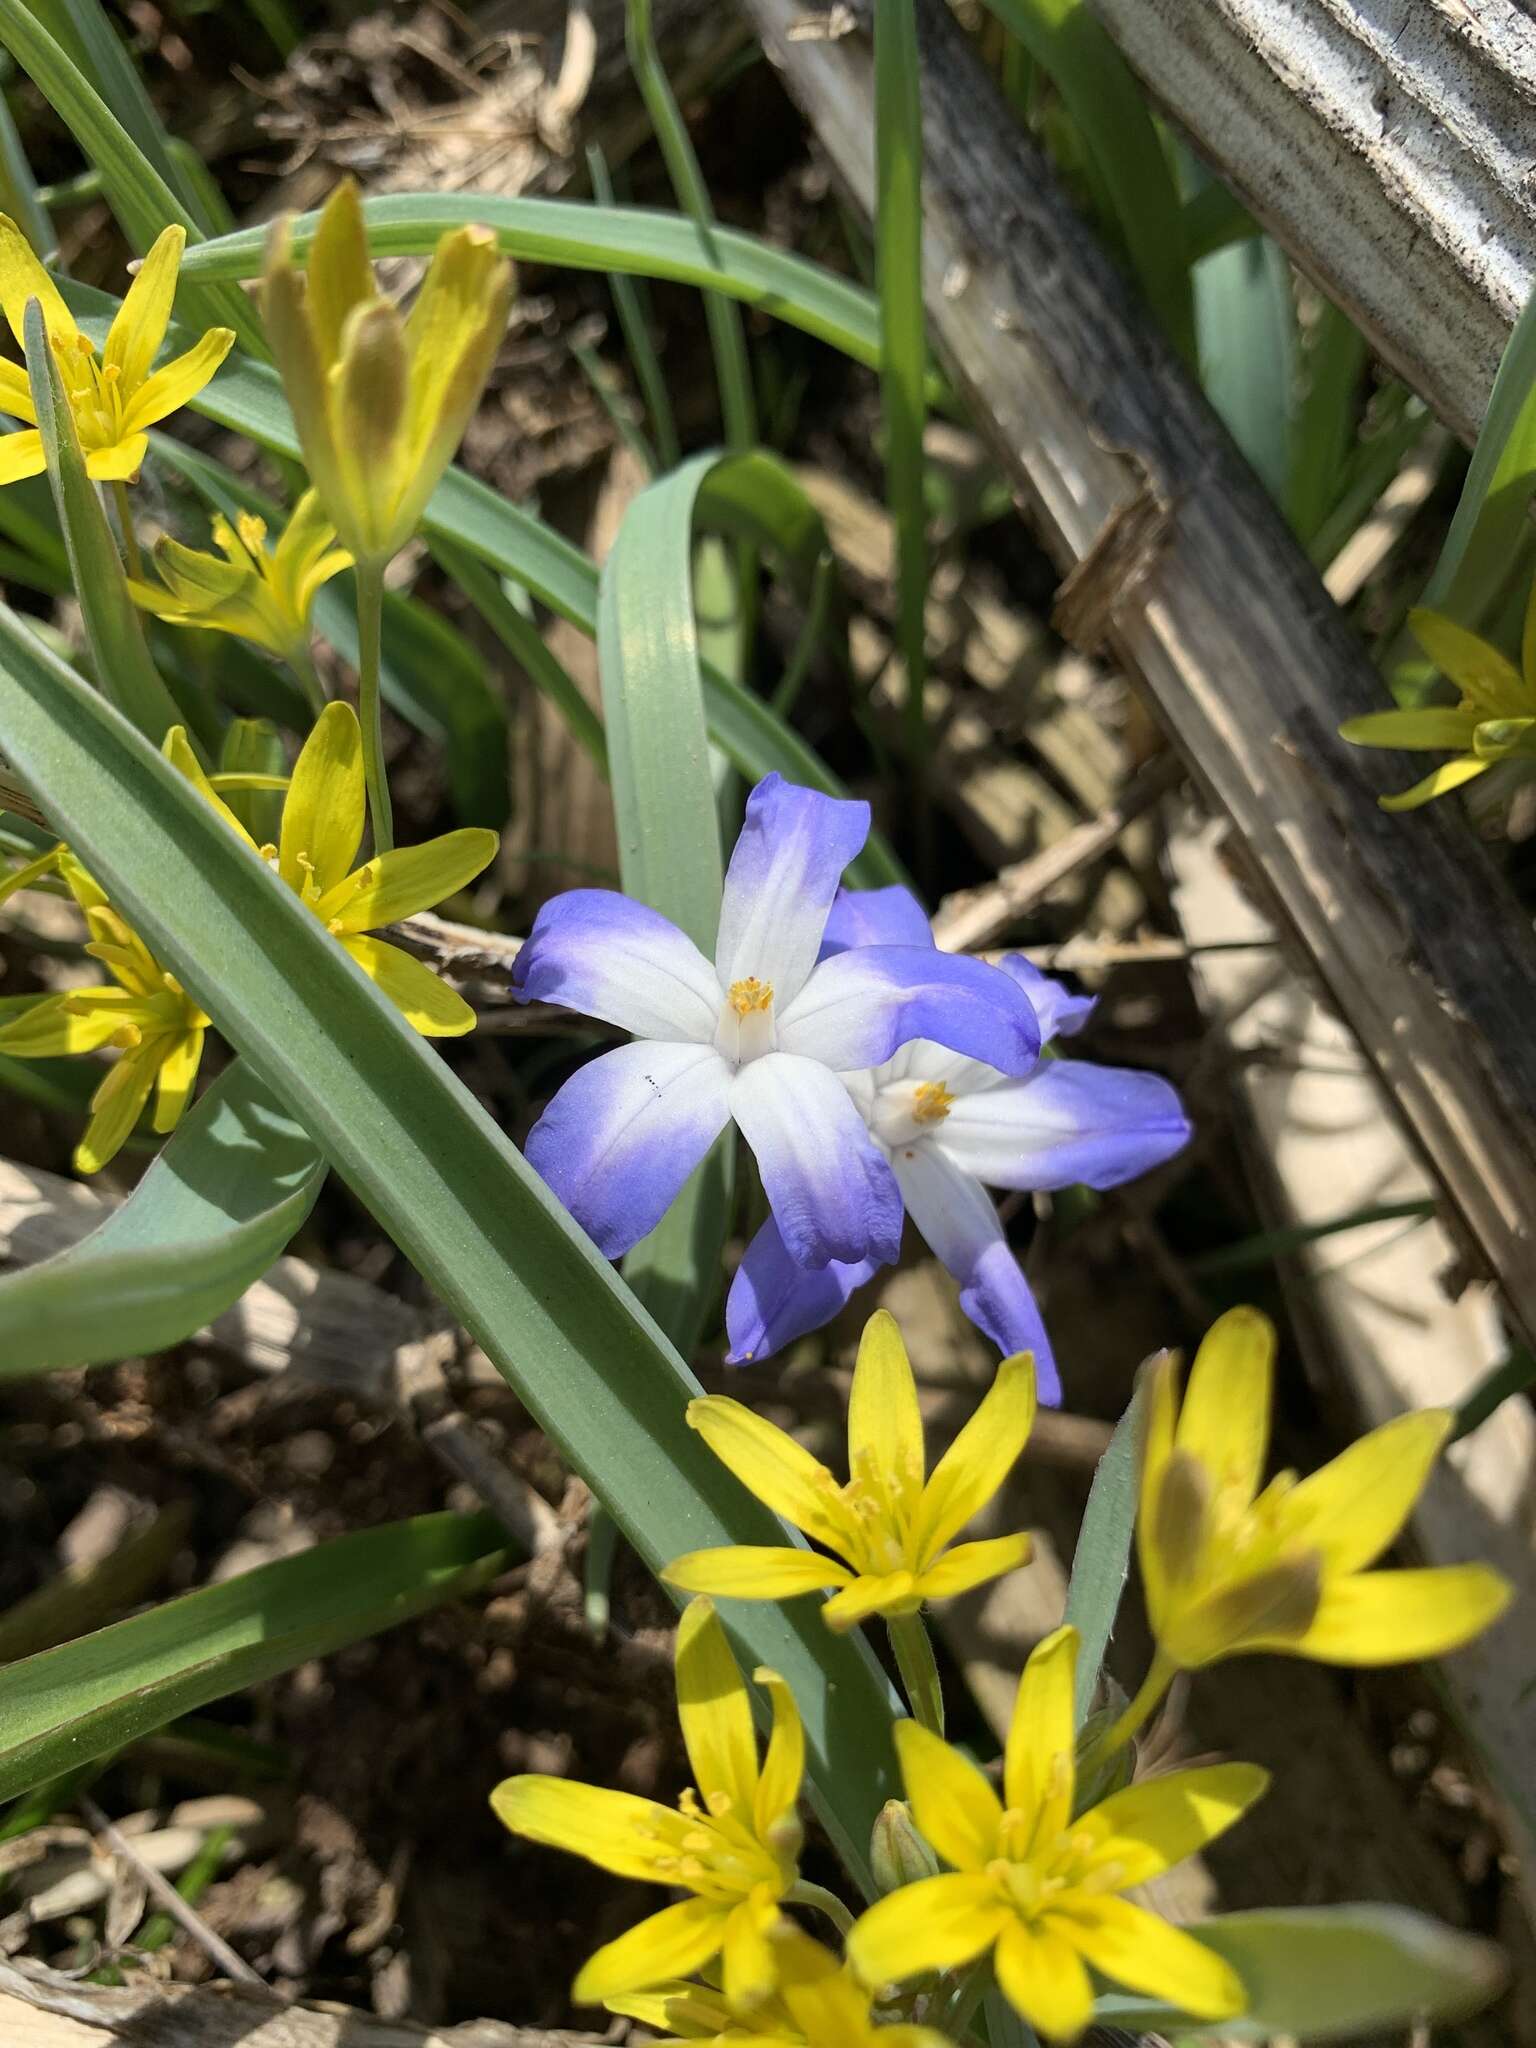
x=779, y=888
x=875, y=917
x=858, y=1007
x=1069, y=1121
x=959, y=1223
x=1061, y=1013
x=624, y=1133
x=828, y=1184
x=773, y=1300
x=596, y=951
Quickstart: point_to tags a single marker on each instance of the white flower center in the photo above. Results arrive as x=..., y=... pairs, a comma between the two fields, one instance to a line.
x=746, y=1029
x=905, y=1110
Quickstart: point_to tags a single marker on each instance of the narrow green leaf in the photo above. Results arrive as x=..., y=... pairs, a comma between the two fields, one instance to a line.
x=118, y=653
x=140, y=196
x=576, y=236
x=1326, y=419
x=18, y=190
x=443, y=1181
x=1320, y=1973
x=636, y=329
x=83, y=1596
x=1102, y=1559
x=1126, y=158
x=1213, y=217
x=1245, y=319
x=209, y=1217
x=89, y=1697
x=1492, y=514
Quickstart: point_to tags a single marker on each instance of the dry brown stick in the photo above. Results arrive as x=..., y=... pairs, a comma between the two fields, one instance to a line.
x=166, y=1896
x=972, y=918
x=1185, y=567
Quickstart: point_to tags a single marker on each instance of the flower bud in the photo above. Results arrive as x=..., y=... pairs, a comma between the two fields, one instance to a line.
x=898, y=1854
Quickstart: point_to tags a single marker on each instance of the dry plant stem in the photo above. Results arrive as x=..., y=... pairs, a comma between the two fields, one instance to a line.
x=133, y=561
x=166, y=1896
x=1183, y=567
x=919, y=1673
x=370, y=628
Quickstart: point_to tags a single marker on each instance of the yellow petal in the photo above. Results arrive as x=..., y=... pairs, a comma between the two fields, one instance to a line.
x=33, y=871
x=936, y=1924
x=453, y=334
x=1399, y=1617
x=951, y=1801
x=138, y=328
x=427, y=1004
x=1152, y=1825
x=750, y=1571
x=21, y=455
x=1439, y=782
x=888, y=1593
x=672, y=1943
x=1038, y=1775
x=117, y=1106
x=1477, y=669
x=980, y=1458
x=1224, y=1421
x=885, y=1427
x=55, y=1025
x=824, y=2001
x=615, y=1830
x=407, y=879
x=715, y=1713
x=1272, y=1608
x=120, y=463
x=178, y=1074
x=181, y=379
x=326, y=805
x=1158, y=1422
x=778, y=1789
x=1436, y=725
x=1137, y=1949
x=747, y=1958
x=972, y=1564
x=177, y=749
x=294, y=346
x=22, y=278
x=1355, y=1506
x=1042, y=1977
x=339, y=274
x=16, y=393
x=368, y=394
x=769, y=1463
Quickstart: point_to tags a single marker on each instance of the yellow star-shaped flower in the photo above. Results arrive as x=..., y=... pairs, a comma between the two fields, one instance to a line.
x=115, y=398
x=732, y=1844
x=263, y=594
x=1042, y=1890
x=890, y=1528
x=322, y=830
x=1494, y=720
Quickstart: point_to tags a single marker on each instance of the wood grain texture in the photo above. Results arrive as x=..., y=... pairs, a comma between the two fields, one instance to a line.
x=1388, y=147
x=1408, y=926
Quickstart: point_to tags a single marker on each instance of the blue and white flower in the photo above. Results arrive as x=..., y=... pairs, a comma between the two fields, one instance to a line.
x=952, y=1126
x=760, y=1035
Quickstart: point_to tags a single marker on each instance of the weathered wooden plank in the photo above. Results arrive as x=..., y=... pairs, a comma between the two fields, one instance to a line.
x=1178, y=559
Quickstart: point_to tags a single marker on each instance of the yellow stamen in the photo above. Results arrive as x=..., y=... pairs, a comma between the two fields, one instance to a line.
x=932, y=1102
x=746, y=996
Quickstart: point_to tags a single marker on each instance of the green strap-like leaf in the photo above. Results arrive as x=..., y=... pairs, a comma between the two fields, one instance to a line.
x=1103, y=1555
x=121, y=660
x=91, y=1696
x=211, y=1214
x=446, y=1184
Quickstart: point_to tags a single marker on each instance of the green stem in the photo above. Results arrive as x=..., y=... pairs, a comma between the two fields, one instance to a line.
x=1153, y=1686
x=302, y=662
x=803, y=1893
x=966, y=1997
x=133, y=561
x=370, y=627
x=919, y=1673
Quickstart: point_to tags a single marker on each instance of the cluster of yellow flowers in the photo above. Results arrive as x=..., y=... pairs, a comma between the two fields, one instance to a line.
x=380, y=401
x=1033, y=1897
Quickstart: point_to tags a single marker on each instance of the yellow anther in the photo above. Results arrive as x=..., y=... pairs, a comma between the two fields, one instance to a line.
x=719, y=1803
x=126, y=1037
x=690, y=1869
x=111, y=373
x=749, y=995
x=253, y=531
x=269, y=852
x=931, y=1102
